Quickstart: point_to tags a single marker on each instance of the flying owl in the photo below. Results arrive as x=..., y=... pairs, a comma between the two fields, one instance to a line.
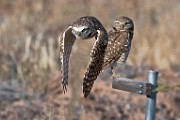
x=116, y=52
x=84, y=28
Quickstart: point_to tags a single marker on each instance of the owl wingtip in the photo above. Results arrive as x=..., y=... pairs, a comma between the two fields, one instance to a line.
x=64, y=85
x=85, y=95
x=64, y=89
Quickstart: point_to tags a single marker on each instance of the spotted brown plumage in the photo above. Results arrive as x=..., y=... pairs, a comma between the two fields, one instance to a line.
x=116, y=51
x=84, y=28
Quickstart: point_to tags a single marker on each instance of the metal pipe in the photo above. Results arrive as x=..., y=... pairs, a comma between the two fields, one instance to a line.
x=151, y=99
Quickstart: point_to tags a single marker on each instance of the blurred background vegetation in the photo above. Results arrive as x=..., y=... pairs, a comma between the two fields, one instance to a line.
x=29, y=31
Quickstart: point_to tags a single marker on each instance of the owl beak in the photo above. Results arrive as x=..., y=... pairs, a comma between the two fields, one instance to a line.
x=78, y=33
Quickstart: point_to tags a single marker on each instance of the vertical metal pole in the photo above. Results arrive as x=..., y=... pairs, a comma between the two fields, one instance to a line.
x=151, y=100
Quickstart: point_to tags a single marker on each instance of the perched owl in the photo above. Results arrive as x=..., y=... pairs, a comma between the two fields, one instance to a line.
x=117, y=51
x=84, y=28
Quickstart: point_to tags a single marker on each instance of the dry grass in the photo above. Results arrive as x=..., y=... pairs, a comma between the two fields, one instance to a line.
x=29, y=32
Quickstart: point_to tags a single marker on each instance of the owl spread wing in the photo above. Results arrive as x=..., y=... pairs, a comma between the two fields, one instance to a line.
x=66, y=40
x=95, y=63
x=94, y=66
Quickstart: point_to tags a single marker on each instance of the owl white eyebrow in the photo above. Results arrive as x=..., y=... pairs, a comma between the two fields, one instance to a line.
x=126, y=31
x=79, y=28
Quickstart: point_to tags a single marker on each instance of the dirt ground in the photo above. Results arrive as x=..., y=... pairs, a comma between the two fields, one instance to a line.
x=104, y=103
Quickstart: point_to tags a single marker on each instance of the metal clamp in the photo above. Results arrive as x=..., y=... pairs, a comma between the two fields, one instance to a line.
x=134, y=86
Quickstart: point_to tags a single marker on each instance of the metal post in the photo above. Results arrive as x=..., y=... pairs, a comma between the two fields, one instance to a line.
x=151, y=99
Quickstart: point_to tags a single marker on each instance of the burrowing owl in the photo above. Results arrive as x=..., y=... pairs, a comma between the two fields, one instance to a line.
x=117, y=51
x=84, y=28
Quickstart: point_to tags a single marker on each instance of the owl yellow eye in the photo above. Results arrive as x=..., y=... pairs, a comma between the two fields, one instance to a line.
x=86, y=33
x=126, y=23
x=84, y=30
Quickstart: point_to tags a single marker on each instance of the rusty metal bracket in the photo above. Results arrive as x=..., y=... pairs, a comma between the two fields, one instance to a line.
x=134, y=86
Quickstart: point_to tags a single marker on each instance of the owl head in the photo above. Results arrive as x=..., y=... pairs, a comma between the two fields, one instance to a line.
x=86, y=27
x=124, y=23
x=83, y=32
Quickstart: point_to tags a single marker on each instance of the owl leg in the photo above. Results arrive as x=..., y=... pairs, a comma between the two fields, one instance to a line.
x=117, y=70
